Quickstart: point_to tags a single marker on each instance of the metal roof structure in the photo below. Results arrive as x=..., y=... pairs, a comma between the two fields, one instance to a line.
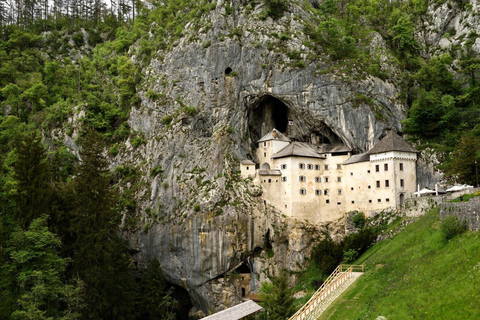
x=297, y=149
x=236, y=312
x=392, y=142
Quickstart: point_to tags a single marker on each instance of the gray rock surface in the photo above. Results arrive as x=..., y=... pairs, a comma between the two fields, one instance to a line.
x=217, y=93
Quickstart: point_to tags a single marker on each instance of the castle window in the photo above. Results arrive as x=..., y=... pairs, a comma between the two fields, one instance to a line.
x=265, y=143
x=385, y=167
x=387, y=200
x=351, y=188
x=339, y=191
x=318, y=192
x=302, y=178
x=369, y=201
x=369, y=187
x=310, y=166
x=401, y=166
x=339, y=166
x=378, y=183
x=387, y=183
x=318, y=179
x=317, y=167
x=284, y=179
x=402, y=183
x=327, y=201
x=377, y=168
x=351, y=173
x=353, y=202
x=326, y=167
x=285, y=206
x=325, y=192
x=325, y=179
x=368, y=171
x=379, y=200
x=301, y=165
x=303, y=191
x=269, y=180
x=339, y=179
x=248, y=168
x=283, y=166
x=339, y=203
x=265, y=154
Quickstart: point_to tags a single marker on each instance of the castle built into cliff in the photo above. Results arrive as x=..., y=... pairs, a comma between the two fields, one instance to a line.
x=321, y=183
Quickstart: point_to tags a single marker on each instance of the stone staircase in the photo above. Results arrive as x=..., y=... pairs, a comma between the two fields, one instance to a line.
x=336, y=283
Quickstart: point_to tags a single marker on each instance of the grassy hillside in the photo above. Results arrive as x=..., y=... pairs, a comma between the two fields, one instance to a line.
x=416, y=275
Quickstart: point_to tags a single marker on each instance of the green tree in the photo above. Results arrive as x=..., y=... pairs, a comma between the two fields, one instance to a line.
x=11, y=92
x=99, y=254
x=31, y=174
x=464, y=160
x=335, y=39
x=155, y=299
x=425, y=115
x=276, y=8
x=152, y=290
x=277, y=297
x=404, y=36
x=31, y=277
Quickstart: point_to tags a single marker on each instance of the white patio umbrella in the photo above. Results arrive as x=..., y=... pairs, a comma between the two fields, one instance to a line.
x=459, y=188
x=454, y=188
x=424, y=191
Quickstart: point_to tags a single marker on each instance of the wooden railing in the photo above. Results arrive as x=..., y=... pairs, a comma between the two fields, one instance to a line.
x=355, y=267
x=338, y=276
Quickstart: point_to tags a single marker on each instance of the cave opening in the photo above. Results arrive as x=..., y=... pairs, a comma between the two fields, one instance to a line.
x=243, y=268
x=267, y=113
x=268, y=243
x=184, y=303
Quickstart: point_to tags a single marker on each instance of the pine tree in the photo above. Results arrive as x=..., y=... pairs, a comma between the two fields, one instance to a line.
x=32, y=176
x=152, y=292
x=465, y=159
x=277, y=297
x=99, y=254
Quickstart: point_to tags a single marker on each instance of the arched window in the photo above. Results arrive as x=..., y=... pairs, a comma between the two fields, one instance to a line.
x=265, y=166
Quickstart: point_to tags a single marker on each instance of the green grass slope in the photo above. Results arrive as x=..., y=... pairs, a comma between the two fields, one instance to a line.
x=416, y=275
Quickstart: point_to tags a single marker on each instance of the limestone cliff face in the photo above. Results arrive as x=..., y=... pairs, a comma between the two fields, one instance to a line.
x=451, y=24
x=215, y=93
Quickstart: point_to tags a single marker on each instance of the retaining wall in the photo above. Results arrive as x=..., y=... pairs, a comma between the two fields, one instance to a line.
x=468, y=211
x=418, y=206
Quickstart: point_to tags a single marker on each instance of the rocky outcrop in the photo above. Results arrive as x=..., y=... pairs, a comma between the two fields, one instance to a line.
x=205, y=103
x=450, y=25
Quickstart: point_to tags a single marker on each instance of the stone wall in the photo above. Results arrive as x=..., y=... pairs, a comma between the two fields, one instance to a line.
x=468, y=211
x=418, y=206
